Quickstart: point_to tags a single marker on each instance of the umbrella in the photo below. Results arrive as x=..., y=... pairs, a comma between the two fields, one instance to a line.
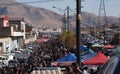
x=17, y=52
x=108, y=46
x=97, y=45
x=28, y=50
x=46, y=56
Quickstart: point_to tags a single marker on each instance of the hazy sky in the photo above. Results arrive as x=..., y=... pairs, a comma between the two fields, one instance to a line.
x=112, y=6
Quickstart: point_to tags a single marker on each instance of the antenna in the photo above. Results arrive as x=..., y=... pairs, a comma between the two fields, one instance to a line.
x=102, y=14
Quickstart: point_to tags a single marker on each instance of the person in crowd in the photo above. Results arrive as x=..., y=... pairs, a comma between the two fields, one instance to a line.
x=85, y=71
x=76, y=68
x=69, y=70
x=92, y=71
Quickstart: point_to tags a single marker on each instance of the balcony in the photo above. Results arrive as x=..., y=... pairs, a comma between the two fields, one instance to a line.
x=17, y=34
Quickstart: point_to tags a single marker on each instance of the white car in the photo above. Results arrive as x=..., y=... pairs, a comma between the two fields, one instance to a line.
x=12, y=63
x=5, y=58
x=3, y=61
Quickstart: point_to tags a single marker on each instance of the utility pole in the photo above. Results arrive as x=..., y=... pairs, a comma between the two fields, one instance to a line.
x=119, y=30
x=102, y=12
x=67, y=19
x=68, y=24
x=64, y=23
x=78, y=32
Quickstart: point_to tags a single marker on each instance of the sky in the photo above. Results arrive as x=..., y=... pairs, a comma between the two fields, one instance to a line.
x=92, y=6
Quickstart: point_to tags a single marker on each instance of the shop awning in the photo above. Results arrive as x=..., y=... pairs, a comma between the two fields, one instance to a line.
x=46, y=72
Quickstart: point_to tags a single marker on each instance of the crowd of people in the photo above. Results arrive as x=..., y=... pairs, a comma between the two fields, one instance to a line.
x=42, y=56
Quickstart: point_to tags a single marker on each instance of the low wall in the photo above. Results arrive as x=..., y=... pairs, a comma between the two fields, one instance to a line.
x=31, y=39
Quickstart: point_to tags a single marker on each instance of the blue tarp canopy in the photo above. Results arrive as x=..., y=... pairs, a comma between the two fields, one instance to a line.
x=86, y=52
x=82, y=47
x=87, y=56
x=68, y=57
x=65, y=61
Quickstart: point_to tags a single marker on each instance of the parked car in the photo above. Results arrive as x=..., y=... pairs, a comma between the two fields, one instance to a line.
x=3, y=60
x=112, y=66
x=6, y=58
x=12, y=63
x=0, y=58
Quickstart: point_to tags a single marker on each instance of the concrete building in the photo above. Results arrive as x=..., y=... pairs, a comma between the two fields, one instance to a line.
x=14, y=33
x=50, y=31
x=17, y=32
x=4, y=21
x=5, y=33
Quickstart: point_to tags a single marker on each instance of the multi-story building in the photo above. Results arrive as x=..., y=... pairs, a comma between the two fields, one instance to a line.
x=14, y=33
x=17, y=32
x=50, y=31
x=5, y=33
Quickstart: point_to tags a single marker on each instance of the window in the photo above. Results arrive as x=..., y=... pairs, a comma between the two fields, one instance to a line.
x=44, y=29
x=54, y=29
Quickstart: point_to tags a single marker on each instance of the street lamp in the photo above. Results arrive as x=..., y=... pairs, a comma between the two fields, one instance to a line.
x=64, y=27
x=63, y=10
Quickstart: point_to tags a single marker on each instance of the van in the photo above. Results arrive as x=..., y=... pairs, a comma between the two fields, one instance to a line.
x=112, y=66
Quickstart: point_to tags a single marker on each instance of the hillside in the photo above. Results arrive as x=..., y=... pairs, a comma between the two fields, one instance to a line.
x=45, y=18
x=33, y=15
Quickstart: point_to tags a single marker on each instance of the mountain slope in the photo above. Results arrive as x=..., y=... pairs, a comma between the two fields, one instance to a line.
x=34, y=15
x=45, y=18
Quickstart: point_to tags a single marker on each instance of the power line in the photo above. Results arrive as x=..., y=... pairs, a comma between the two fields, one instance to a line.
x=42, y=1
x=31, y=2
x=102, y=12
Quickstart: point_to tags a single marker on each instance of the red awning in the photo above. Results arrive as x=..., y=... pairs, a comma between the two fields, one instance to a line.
x=96, y=60
x=62, y=63
x=41, y=40
x=108, y=46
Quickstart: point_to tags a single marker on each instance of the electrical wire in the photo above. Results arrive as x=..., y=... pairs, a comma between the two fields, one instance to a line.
x=42, y=1
x=30, y=2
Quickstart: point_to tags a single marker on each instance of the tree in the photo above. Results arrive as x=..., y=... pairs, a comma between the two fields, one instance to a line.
x=68, y=39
